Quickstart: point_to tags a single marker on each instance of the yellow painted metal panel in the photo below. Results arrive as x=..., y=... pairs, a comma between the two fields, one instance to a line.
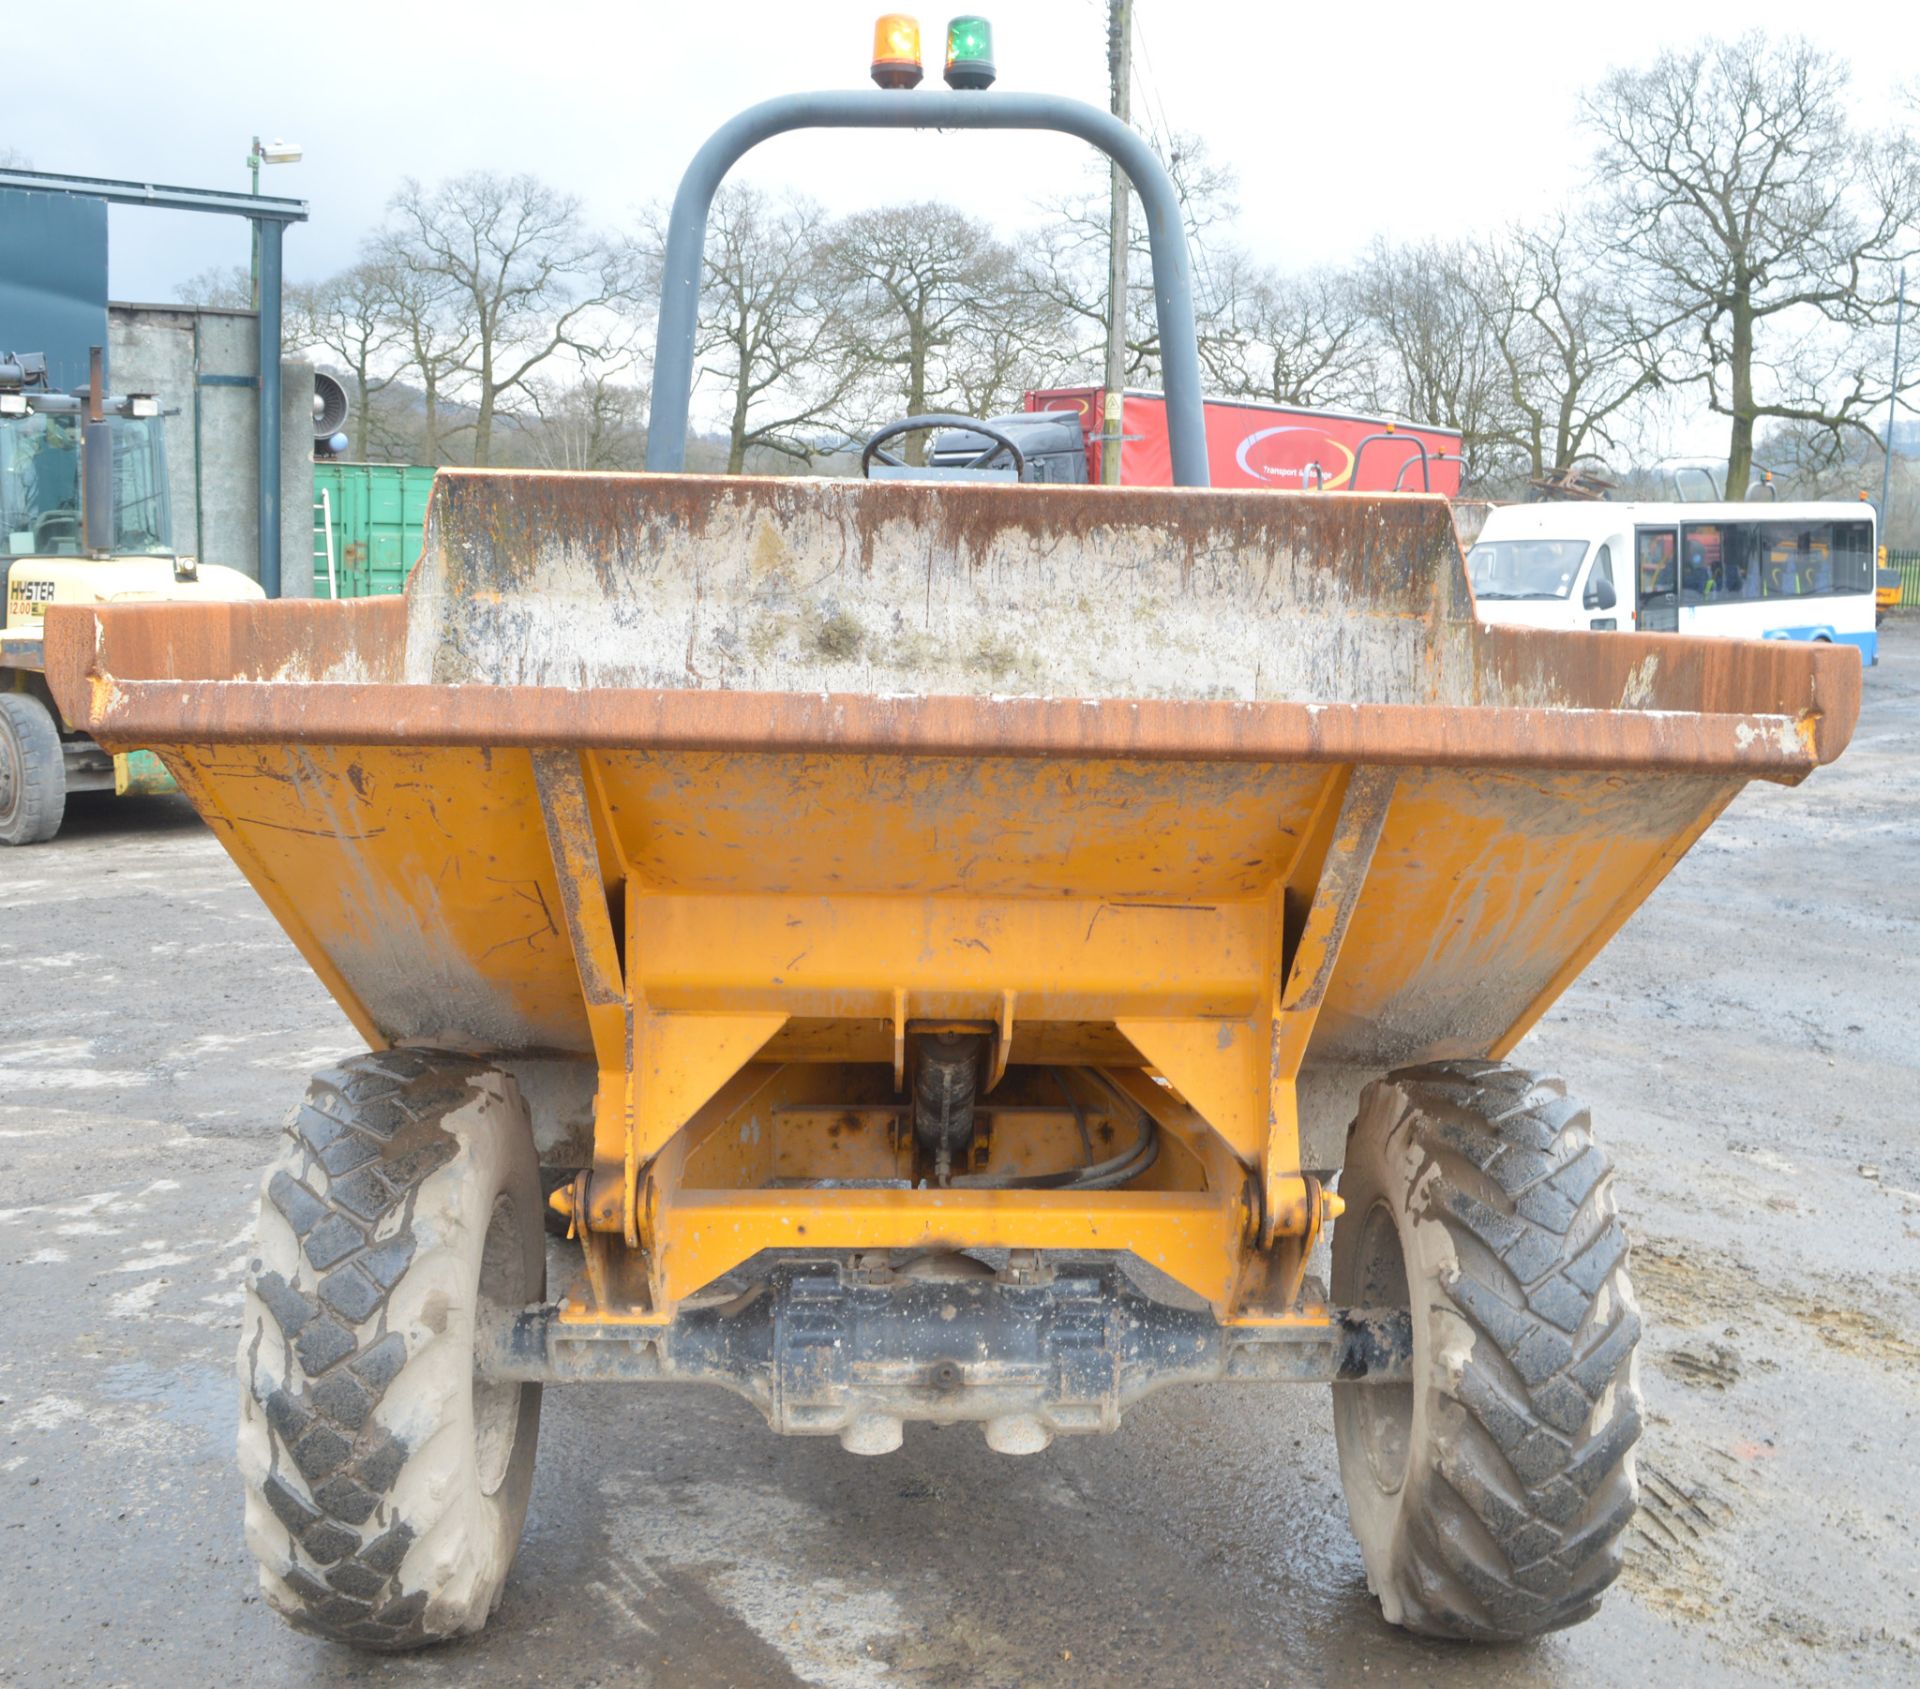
x=679, y=1061
x=422, y=875
x=1219, y=1066
x=988, y=826
x=1483, y=885
x=1068, y=959
x=1196, y=1238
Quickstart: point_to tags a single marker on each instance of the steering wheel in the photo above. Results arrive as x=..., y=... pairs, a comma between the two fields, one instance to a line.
x=53, y=526
x=999, y=445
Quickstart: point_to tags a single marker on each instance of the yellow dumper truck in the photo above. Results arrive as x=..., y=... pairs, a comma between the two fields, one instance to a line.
x=959, y=949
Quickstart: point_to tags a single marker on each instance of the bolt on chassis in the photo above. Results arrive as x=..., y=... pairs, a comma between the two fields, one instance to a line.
x=941, y=950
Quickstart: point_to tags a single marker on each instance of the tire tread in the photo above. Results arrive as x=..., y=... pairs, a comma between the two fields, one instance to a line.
x=333, y=1465
x=1522, y=1513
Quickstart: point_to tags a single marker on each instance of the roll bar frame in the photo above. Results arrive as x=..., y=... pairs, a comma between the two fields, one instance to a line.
x=883, y=109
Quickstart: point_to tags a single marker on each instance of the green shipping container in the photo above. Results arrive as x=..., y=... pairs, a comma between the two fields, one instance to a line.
x=374, y=515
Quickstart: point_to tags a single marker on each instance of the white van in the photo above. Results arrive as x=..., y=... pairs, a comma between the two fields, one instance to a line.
x=1740, y=571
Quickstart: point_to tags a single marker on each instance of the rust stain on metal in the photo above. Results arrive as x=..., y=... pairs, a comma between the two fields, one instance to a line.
x=1340, y=572
x=143, y=713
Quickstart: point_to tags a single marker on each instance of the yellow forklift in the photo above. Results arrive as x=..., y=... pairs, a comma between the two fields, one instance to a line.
x=84, y=519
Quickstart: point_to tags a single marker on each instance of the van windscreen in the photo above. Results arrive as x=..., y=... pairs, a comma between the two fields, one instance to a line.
x=1524, y=568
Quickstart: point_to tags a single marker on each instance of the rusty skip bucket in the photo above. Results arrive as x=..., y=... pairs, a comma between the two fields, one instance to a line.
x=677, y=775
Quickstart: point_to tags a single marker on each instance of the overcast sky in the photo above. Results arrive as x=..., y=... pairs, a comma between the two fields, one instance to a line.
x=1343, y=120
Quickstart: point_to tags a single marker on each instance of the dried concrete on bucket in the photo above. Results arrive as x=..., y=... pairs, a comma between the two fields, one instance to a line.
x=884, y=588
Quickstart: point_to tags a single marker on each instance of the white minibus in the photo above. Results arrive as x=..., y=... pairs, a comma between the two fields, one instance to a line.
x=1739, y=571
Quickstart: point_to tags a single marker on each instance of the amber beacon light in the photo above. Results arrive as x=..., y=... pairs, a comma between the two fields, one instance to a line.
x=896, y=51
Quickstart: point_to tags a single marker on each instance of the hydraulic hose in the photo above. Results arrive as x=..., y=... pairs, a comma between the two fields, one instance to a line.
x=1117, y=1170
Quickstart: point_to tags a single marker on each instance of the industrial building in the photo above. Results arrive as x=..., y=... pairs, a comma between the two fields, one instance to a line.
x=202, y=363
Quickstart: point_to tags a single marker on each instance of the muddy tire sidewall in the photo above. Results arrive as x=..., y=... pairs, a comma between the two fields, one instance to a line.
x=33, y=774
x=449, y=1461
x=1373, y=1184
x=1515, y=1437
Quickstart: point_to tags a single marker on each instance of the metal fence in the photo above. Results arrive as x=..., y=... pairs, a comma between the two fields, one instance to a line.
x=1908, y=564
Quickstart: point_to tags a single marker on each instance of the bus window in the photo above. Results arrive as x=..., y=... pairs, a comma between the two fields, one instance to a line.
x=1799, y=558
x=1702, y=554
x=1853, y=558
x=1524, y=568
x=1737, y=576
x=1655, y=552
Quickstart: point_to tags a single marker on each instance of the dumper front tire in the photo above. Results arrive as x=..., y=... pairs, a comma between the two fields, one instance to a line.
x=33, y=771
x=386, y=1484
x=1490, y=1494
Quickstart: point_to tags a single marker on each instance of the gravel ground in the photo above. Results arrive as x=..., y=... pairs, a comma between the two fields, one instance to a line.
x=1749, y=1046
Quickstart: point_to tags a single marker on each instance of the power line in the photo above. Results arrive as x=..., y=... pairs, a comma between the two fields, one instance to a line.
x=1151, y=81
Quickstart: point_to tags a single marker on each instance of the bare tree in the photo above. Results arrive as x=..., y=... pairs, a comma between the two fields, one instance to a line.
x=350, y=317
x=592, y=422
x=528, y=277
x=1753, y=214
x=1021, y=344
x=1434, y=360
x=1573, y=354
x=1809, y=461
x=1289, y=340
x=1066, y=263
x=921, y=285
x=433, y=339
x=221, y=287
x=773, y=332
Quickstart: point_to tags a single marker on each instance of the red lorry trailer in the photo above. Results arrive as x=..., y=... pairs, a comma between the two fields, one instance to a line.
x=1259, y=445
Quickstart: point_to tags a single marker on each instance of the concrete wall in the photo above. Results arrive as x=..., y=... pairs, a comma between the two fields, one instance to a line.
x=203, y=364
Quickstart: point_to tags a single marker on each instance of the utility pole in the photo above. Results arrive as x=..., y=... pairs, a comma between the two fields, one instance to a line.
x=1893, y=395
x=273, y=152
x=253, y=164
x=1120, y=81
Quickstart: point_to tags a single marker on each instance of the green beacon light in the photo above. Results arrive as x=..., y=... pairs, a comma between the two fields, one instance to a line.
x=970, y=53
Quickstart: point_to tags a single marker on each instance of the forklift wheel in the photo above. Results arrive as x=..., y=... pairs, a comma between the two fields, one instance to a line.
x=386, y=1484
x=1490, y=1494
x=33, y=771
